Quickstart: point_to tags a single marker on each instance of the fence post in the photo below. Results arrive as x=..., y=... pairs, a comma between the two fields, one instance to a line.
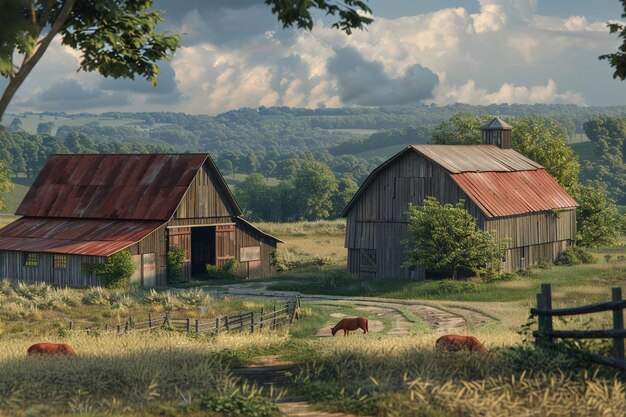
x=544, y=302
x=217, y=325
x=226, y=326
x=197, y=327
x=70, y=325
x=106, y=327
x=149, y=320
x=261, y=318
x=618, y=324
x=187, y=327
x=252, y=322
x=274, y=317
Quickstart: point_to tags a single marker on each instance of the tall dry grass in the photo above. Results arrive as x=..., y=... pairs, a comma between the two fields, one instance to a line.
x=310, y=243
x=123, y=373
x=406, y=377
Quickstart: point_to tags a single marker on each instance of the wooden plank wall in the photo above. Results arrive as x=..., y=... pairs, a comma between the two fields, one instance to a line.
x=12, y=267
x=377, y=221
x=155, y=243
x=246, y=237
x=204, y=198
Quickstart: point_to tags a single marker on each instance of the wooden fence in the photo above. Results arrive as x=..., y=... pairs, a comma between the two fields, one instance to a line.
x=546, y=333
x=280, y=315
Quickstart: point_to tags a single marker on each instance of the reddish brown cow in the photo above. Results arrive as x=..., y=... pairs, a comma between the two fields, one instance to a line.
x=350, y=324
x=455, y=342
x=51, y=349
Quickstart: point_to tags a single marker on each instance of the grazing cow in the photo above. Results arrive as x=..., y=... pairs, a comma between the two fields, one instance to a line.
x=350, y=324
x=454, y=342
x=51, y=349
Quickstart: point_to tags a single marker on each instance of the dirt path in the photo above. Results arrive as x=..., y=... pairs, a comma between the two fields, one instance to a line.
x=270, y=370
x=440, y=318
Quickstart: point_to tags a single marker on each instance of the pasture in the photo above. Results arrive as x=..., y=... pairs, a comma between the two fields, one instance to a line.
x=393, y=370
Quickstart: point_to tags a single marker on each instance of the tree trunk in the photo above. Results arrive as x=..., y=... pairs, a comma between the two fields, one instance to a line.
x=30, y=61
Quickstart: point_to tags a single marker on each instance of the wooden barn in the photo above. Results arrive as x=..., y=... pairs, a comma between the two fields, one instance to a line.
x=505, y=191
x=83, y=208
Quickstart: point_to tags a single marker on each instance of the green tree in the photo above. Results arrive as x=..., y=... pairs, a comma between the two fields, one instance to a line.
x=346, y=189
x=314, y=185
x=5, y=182
x=116, y=270
x=598, y=222
x=545, y=141
x=608, y=135
x=618, y=59
x=462, y=129
x=447, y=237
x=45, y=128
x=252, y=195
x=118, y=38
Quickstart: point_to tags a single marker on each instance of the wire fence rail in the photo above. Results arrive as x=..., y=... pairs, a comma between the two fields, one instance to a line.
x=281, y=314
x=546, y=333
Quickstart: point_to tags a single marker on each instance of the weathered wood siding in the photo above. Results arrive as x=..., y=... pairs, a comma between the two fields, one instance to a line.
x=253, y=262
x=376, y=224
x=155, y=243
x=204, y=198
x=73, y=275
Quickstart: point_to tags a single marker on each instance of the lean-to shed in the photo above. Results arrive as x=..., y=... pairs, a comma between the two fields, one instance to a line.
x=505, y=191
x=83, y=208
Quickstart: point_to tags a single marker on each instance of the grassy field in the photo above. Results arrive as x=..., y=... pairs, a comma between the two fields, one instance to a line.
x=376, y=374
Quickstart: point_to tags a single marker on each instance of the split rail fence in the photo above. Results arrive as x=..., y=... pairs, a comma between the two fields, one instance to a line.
x=546, y=333
x=272, y=318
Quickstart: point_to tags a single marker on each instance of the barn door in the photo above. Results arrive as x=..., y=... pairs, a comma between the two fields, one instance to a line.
x=135, y=278
x=224, y=244
x=149, y=270
x=367, y=262
x=181, y=238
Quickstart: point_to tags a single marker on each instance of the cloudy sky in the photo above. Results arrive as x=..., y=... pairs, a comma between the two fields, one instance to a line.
x=235, y=54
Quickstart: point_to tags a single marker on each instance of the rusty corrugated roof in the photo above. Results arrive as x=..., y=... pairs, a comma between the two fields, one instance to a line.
x=74, y=236
x=476, y=158
x=510, y=193
x=118, y=186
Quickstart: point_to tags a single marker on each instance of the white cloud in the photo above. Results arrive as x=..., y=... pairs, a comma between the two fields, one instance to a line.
x=507, y=93
x=505, y=52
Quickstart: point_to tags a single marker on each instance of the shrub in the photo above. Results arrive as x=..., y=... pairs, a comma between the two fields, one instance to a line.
x=228, y=270
x=452, y=287
x=575, y=255
x=95, y=296
x=242, y=406
x=506, y=276
x=544, y=263
x=116, y=271
x=334, y=279
x=175, y=263
x=278, y=261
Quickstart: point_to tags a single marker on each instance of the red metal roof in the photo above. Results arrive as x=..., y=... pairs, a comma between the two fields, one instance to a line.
x=74, y=236
x=120, y=186
x=509, y=193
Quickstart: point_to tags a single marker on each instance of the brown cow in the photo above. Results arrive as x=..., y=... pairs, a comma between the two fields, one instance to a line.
x=51, y=349
x=350, y=324
x=455, y=342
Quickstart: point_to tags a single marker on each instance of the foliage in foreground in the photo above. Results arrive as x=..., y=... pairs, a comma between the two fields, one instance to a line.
x=402, y=379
